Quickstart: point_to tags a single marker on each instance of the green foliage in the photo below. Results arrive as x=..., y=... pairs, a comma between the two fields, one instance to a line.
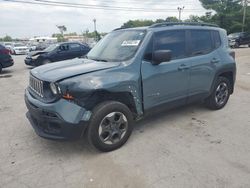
x=6, y=39
x=62, y=28
x=137, y=23
x=59, y=37
x=171, y=19
x=142, y=23
x=228, y=14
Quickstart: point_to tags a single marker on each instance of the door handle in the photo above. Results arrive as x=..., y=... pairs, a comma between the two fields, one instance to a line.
x=183, y=67
x=215, y=60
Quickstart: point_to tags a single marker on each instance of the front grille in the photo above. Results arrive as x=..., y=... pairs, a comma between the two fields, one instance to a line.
x=36, y=86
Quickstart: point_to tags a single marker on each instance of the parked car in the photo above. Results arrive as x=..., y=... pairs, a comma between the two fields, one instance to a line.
x=8, y=45
x=32, y=47
x=128, y=74
x=57, y=52
x=5, y=58
x=19, y=49
x=238, y=39
x=42, y=46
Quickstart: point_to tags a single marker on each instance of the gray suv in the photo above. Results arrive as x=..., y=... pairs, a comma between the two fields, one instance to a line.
x=128, y=74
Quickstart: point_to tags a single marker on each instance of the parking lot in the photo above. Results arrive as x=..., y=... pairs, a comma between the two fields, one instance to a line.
x=186, y=147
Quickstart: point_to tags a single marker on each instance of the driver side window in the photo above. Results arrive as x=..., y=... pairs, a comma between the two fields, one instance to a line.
x=173, y=41
x=64, y=47
x=167, y=40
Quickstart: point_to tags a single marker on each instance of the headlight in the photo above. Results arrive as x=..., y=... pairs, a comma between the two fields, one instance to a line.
x=35, y=57
x=54, y=88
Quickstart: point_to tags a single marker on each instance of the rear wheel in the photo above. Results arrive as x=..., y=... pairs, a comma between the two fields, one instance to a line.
x=1, y=68
x=220, y=95
x=110, y=126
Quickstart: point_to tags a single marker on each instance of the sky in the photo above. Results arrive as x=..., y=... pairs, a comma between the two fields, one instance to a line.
x=27, y=20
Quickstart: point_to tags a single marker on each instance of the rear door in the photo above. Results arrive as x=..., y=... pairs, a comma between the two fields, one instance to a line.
x=75, y=50
x=168, y=81
x=204, y=58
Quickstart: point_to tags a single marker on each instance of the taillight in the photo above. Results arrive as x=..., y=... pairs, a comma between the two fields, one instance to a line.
x=232, y=53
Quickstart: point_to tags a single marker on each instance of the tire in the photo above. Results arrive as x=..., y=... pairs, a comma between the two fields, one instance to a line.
x=220, y=95
x=110, y=126
x=236, y=45
x=46, y=61
x=1, y=68
x=248, y=45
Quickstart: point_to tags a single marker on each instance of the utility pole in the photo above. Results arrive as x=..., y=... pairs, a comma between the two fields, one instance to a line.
x=94, y=20
x=86, y=35
x=180, y=9
x=244, y=14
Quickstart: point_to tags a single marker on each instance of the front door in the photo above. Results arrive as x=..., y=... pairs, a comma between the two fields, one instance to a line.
x=168, y=81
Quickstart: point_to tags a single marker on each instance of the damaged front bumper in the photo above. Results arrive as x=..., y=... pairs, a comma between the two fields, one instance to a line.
x=62, y=120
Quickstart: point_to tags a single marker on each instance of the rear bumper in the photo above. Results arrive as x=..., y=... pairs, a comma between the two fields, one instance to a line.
x=47, y=120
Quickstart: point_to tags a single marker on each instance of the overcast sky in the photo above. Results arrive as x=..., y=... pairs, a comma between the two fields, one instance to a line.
x=27, y=20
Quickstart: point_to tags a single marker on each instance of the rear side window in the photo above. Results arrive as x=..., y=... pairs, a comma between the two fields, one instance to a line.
x=217, y=40
x=75, y=47
x=171, y=40
x=201, y=42
x=84, y=47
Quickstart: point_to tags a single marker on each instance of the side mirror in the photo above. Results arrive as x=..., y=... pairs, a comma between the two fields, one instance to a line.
x=160, y=56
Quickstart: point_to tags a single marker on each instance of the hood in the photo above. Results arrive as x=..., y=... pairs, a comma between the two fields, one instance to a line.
x=36, y=53
x=64, y=69
x=233, y=37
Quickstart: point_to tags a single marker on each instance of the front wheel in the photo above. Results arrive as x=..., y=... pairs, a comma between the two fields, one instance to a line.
x=110, y=126
x=236, y=45
x=220, y=95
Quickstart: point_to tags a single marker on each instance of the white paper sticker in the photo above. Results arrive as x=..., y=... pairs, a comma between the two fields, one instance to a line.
x=131, y=43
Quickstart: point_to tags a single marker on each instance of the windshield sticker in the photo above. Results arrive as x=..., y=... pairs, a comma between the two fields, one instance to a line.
x=131, y=43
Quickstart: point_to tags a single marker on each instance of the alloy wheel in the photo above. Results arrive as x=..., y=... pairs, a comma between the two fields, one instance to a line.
x=221, y=94
x=113, y=128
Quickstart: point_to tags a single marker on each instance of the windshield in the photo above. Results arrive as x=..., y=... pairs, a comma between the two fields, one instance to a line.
x=234, y=35
x=117, y=46
x=51, y=48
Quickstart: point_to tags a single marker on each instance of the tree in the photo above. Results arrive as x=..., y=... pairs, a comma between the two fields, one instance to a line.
x=171, y=19
x=228, y=14
x=137, y=23
x=7, y=38
x=142, y=23
x=62, y=28
x=59, y=37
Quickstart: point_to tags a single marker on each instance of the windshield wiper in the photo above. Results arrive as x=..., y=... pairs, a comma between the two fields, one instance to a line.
x=102, y=60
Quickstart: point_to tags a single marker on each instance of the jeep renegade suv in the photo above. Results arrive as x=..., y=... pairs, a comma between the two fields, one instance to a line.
x=127, y=74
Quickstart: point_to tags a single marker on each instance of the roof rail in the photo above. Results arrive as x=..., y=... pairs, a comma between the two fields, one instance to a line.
x=164, y=24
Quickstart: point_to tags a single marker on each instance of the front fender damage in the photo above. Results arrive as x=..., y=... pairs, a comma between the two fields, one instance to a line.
x=92, y=89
